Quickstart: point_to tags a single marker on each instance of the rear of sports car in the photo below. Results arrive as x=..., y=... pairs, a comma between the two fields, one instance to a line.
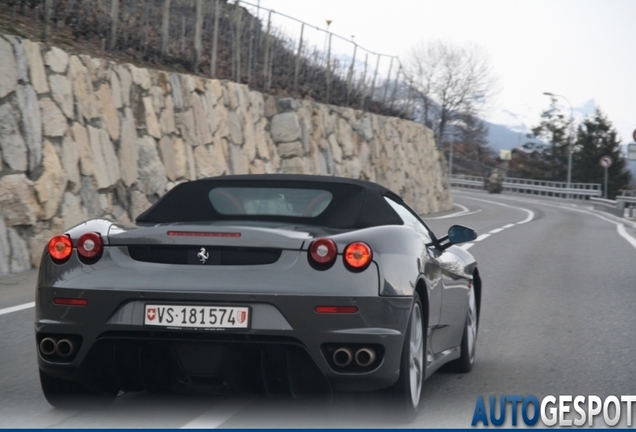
x=216, y=307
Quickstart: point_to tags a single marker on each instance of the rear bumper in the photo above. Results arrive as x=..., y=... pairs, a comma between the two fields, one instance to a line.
x=115, y=318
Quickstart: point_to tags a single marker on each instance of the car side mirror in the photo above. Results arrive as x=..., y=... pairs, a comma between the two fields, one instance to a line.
x=461, y=234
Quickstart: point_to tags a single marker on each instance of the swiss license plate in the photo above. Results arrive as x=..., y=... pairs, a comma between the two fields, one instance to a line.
x=209, y=317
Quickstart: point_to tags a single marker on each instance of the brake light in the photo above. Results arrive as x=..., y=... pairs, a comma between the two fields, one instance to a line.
x=323, y=251
x=90, y=245
x=357, y=256
x=204, y=234
x=60, y=247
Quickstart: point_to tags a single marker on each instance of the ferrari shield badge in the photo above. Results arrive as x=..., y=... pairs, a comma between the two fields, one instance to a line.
x=203, y=255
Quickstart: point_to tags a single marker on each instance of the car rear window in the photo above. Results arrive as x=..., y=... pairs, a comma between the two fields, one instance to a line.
x=323, y=201
x=258, y=201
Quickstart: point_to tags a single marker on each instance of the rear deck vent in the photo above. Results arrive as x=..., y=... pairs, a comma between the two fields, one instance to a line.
x=204, y=255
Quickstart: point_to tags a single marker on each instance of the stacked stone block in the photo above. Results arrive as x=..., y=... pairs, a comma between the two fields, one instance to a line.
x=82, y=137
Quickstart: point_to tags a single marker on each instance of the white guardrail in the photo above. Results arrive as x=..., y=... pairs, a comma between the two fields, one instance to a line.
x=535, y=187
x=624, y=205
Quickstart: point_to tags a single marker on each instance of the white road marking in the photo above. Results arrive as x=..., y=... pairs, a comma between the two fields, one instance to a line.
x=17, y=308
x=467, y=246
x=497, y=230
x=217, y=415
x=620, y=227
x=464, y=212
x=526, y=220
x=621, y=231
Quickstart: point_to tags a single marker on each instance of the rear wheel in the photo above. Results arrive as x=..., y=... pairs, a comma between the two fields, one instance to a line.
x=62, y=393
x=406, y=393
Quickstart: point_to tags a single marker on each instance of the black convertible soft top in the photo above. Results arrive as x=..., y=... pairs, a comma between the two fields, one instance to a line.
x=355, y=203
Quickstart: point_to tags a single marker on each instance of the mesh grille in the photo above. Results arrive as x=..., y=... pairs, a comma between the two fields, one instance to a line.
x=213, y=255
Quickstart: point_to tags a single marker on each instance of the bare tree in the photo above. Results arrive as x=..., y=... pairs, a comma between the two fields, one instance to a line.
x=451, y=81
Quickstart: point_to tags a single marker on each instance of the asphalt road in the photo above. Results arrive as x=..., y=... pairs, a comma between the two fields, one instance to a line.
x=557, y=318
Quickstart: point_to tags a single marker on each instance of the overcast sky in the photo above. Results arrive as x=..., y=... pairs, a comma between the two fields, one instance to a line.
x=581, y=49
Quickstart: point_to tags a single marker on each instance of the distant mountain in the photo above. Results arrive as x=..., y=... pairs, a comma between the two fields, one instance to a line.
x=504, y=137
x=508, y=129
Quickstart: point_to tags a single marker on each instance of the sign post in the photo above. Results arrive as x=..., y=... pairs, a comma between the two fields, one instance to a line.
x=606, y=162
x=631, y=151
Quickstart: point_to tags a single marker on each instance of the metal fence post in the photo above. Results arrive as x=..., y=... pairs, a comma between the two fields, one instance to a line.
x=237, y=52
x=375, y=75
x=215, y=40
x=395, y=85
x=197, y=34
x=271, y=67
x=364, y=78
x=165, y=27
x=388, y=78
x=267, y=44
x=250, y=51
x=48, y=9
x=114, y=18
x=183, y=32
x=300, y=49
x=328, y=70
x=350, y=74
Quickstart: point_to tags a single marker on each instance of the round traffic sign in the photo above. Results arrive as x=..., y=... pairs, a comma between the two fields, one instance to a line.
x=605, y=161
x=634, y=135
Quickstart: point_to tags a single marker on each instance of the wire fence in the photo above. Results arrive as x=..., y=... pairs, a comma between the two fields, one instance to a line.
x=235, y=40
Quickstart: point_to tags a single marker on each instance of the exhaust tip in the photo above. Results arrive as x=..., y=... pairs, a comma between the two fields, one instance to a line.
x=48, y=346
x=365, y=357
x=342, y=357
x=65, y=348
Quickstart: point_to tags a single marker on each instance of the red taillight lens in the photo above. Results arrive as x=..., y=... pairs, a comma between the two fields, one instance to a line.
x=358, y=256
x=70, y=301
x=336, y=309
x=90, y=245
x=323, y=251
x=60, y=247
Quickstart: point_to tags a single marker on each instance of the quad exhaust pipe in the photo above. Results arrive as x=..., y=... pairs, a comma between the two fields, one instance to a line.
x=342, y=357
x=63, y=348
x=47, y=346
x=363, y=357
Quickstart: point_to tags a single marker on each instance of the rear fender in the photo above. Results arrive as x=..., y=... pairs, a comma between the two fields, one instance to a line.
x=399, y=253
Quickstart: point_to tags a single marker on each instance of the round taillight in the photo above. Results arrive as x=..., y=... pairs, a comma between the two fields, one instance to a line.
x=358, y=256
x=323, y=251
x=90, y=245
x=60, y=247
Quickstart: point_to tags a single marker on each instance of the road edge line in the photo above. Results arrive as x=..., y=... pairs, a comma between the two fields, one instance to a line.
x=17, y=308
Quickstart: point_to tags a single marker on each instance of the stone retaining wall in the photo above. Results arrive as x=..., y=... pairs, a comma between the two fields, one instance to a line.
x=81, y=137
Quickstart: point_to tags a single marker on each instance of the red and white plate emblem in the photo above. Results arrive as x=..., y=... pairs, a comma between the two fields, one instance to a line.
x=241, y=317
x=151, y=313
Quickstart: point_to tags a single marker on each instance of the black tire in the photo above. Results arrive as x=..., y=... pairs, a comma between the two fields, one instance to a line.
x=66, y=394
x=404, y=396
x=465, y=362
